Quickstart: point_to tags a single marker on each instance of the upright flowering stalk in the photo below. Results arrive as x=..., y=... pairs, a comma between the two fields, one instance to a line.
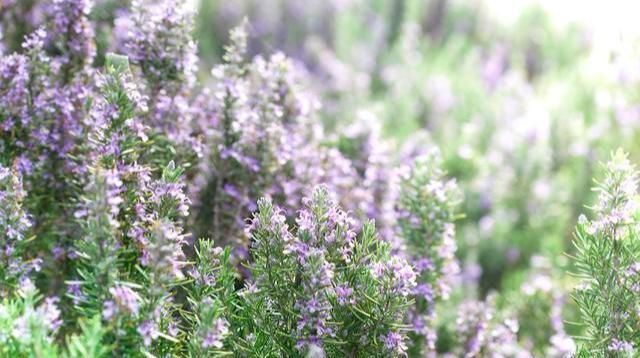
x=323, y=290
x=47, y=101
x=212, y=300
x=426, y=210
x=373, y=188
x=14, y=226
x=160, y=254
x=607, y=260
x=540, y=306
x=14, y=109
x=482, y=333
x=106, y=210
x=98, y=290
x=44, y=95
x=159, y=43
x=72, y=35
x=243, y=131
x=137, y=257
x=98, y=247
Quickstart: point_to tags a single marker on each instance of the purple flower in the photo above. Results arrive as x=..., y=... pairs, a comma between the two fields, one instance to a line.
x=45, y=318
x=424, y=264
x=149, y=331
x=345, y=295
x=126, y=300
x=232, y=191
x=160, y=41
x=173, y=193
x=394, y=342
x=398, y=272
x=617, y=345
x=173, y=329
x=50, y=314
x=214, y=336
x=424, y=291
x=14, y=73
x=75, y=291
x=58, y=252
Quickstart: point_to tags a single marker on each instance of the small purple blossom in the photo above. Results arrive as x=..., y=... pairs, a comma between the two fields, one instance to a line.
x=109, y=310
x=394, y=342
x=50, y=313
x=214, y=337
x=161, y=43
x=398, y=272
x=72, y=30
x=125, y=301
x=619, y=346
x=149, y=332
x=344, y=294
x=74, y=289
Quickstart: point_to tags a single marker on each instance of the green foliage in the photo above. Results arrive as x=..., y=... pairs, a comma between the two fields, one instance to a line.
x=607, y=252
x=90, y=341
x=293, y=272
x=213, y=302
x=27, y=326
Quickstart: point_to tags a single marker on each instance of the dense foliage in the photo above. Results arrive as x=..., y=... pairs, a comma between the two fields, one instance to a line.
x=401, y=180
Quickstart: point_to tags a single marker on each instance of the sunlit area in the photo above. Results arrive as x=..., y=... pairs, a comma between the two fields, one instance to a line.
x=340, y=178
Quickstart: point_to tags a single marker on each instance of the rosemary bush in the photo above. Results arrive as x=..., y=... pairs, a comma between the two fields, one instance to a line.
x=393, y=187
x=606, y=258
x=100, y=261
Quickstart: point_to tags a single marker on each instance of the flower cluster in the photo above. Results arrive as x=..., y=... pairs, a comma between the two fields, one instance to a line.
x=45, y=89
x=72, y=34
x=243, y=134
x=346, y=293
x=260, y=138
x=14, y=224
x=211, y=295
x=158, y=40
x=425, y=213
x=54, y=87
x=483, y=334
x=128, y=211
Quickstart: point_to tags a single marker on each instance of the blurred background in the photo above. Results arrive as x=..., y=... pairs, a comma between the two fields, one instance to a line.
x=525, y=100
